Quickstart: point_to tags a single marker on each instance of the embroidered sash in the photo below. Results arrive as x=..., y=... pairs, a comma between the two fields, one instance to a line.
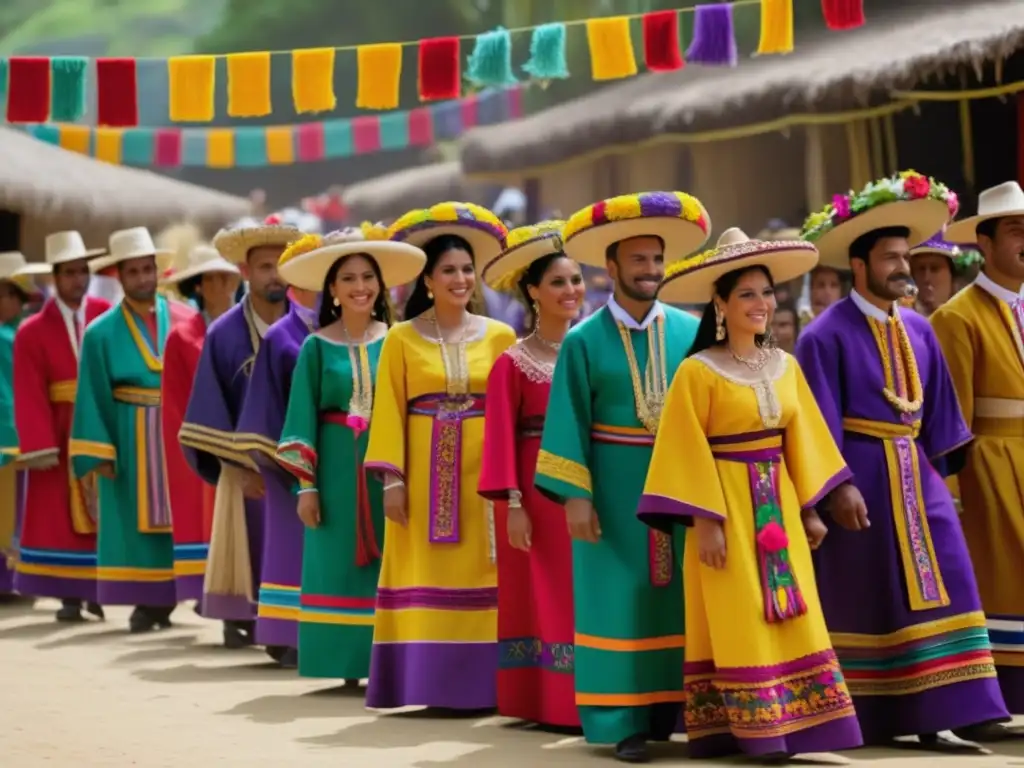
x=153, y=501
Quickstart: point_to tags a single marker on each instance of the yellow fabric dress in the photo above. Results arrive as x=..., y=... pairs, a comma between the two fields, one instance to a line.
x=983, y=343
x=436, y=633
x=751, y=450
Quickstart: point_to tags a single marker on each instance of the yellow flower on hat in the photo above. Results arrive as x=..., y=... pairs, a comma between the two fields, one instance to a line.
x=689, y=263
x=305, y=244
x=373, y=231
x=691, y=208
x=623, y=208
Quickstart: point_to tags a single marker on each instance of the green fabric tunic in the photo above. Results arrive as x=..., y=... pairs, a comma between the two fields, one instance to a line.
x=8, y=433
x=338, y=595
x=117, y=419
x=629, y=632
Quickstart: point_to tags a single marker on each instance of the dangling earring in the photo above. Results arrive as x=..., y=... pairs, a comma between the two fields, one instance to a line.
x=336, y=302
x=719, y=325
x=536, y=309
x=430, y=294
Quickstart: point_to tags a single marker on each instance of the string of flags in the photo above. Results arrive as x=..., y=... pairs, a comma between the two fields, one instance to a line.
x=54, y=89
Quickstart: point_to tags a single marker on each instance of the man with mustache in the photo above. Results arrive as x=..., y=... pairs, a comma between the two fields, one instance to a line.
x=981, y=331
x=613, y=372
x=895, y=576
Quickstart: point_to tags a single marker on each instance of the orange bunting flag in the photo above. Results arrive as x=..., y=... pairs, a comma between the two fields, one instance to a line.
x=75, y=138
x=108, y=145
x=313, y=80
x=380, y=75
x=776, y=27
x=611, y=48
x=280, y=145
x=220, y=148
x=249, y=85
x=192, y=80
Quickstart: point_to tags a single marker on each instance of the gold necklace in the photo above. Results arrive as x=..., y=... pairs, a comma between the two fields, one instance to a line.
x=755, y=364
x=360, y=405
x=649, y=394
x=456, y=373
x=892, y=331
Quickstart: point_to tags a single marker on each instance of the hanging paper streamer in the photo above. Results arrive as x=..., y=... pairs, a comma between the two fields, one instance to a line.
x=661, y=41
x=421, y=127
x=28, y=89
x=108, y=145
x=313, y=80
x=310, y=138
x=117, y=99
x=67, y=97
x=380, y=76
x=440, y=74
x=280, y=150
x=843, y=14
x=491, y=61
x=191, y=80
x=220, y=148
x=75, y=138
x=547, y=53
x=776, y=27
x=249, y=85
x=611, y=48
x=714, y=39
x=167, y=149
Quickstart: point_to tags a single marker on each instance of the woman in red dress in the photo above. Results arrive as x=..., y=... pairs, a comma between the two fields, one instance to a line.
x=535, y=609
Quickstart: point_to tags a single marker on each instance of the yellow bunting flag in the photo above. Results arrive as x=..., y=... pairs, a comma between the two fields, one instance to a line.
x=75, y=138
x=380, y=74
x=313, y=80
x=249, y=84
x=192, y=81
x=220, y=148
x=108, y=145
x=280, y=145
x=611, y=48
x=776, y=27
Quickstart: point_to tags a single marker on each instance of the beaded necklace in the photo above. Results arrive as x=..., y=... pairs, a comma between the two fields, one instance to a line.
x=360, y=405
x=903, y=389
x=648, y=394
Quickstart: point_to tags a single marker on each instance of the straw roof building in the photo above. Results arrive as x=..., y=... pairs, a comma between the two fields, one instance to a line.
x=46, y=189
x=802, y=121
x=387, y=197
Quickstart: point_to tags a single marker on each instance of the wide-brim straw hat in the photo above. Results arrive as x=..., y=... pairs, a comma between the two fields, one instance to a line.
x=64, y=247
x=14, y=269
x=128, y=244
x=305, y=263
x=235, y=243
x=679, y=219
x=692, y=281
x=475, y=224
x=202, y=260
x=909, y=200
x=523, y=246
x=1006, y=199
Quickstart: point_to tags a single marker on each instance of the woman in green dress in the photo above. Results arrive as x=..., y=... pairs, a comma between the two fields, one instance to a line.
x=324, y=439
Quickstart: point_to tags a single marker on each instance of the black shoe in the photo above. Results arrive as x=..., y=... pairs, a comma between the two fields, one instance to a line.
x=96, y=610
x=141, y=621
x=162, y=616
x=283, y=655
x=633, y=750
x=237, y=634
x=664, y=721
x=70, y=611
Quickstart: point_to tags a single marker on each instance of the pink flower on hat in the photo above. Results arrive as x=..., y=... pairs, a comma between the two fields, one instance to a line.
x=916, y=187
x=841, y=206
x=953, y=203
x=273, y=220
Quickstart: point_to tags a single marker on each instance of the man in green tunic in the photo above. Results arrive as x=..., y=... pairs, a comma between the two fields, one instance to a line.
x=116, y=435
x=610, y=380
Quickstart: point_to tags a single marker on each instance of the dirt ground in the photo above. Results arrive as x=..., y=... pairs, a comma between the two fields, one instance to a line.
x=91, y=695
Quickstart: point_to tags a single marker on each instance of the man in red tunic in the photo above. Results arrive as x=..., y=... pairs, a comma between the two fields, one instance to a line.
x=57, y=556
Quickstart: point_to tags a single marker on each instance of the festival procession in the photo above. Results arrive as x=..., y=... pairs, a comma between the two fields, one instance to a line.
x=631, y=477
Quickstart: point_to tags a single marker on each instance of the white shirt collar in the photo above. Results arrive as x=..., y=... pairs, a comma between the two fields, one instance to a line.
x=867, y=308
x=68, y=315
x=622, y=316
x=988, y=285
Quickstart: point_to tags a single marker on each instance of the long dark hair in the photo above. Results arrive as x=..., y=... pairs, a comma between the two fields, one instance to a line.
x=329, y=313
x=532, y=276
x=418, y=301
x=708, y=327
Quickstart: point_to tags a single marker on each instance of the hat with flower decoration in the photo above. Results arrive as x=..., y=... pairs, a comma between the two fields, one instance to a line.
x=234, y=243
x=908, y=199
x=523, y=246
x=677, y=218
x=306, y=262
x=961, y=257
x=692, y=280
x=484, y=231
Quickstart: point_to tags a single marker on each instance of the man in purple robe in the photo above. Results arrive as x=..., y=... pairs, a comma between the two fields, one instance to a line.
x=894, y=573
x=208, y=432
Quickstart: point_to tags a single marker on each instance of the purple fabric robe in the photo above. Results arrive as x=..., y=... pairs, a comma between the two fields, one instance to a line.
x=937, y=673
x=222, y=379
x=259, y=430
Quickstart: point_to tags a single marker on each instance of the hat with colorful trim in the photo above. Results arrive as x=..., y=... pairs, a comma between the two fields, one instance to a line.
x=484, y=231
x=306, y=262
x=234, y=243
x=692, y=280
x=908, y=199
x=523, y=246
x=962, y=257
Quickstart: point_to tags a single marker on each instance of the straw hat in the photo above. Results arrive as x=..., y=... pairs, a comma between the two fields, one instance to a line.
x=235, y=243
x=134, y=243
x=484, y=231
x=305, y=264
x=692, y=281
x=523, y=246
x=677, y=218
x=961, y=258
x=201, y=260
x=14, y=269
x=1006, y=199
x=908, y=200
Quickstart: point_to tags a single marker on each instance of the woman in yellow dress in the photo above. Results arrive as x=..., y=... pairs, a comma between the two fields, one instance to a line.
x=746, y=457
x=435, y=639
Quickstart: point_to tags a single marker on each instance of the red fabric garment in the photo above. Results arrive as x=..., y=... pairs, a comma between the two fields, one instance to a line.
x=535, y=605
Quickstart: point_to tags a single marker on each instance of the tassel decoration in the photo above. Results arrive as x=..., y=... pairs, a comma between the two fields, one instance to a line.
x=28, y=89
x=249, y=85
x=67, y=89
x=491, y=61
x=843, y=14
x=714, y=38
x=191, y=80
x=661, y=42
x=75, y=138
x=380, y=76
x=547, y=54
x=108, y=145
x=280, y=146
x=776, y=27
x=117, y=93
x=440, y=72
x=611, y=48
x=313, y=80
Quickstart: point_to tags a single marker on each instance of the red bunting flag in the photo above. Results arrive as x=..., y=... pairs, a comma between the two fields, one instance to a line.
x=117, y=97
x=661, y=41
x=440, y=71
x=843, y=14
x=28, y=89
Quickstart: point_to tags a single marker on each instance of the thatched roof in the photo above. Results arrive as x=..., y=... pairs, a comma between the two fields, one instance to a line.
x=387, y=197
x=834, y=72
x=54, y=189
